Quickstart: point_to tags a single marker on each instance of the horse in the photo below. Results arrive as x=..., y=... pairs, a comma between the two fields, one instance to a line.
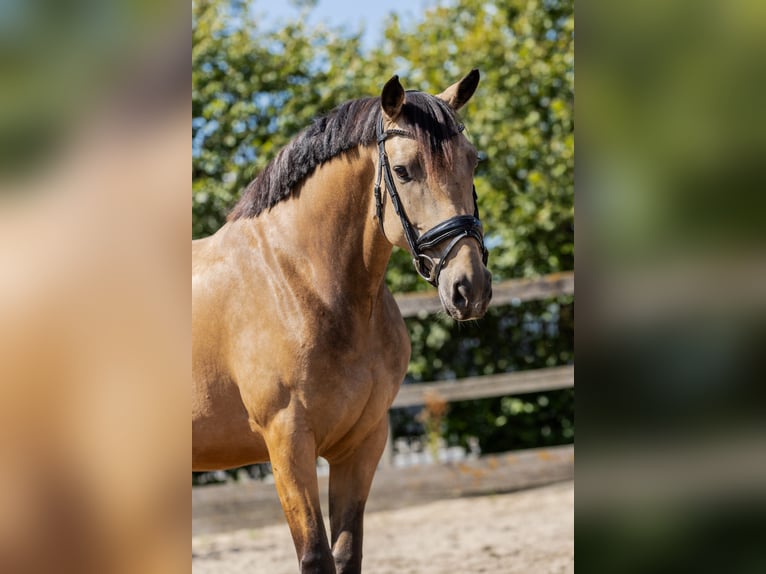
x=298, y=347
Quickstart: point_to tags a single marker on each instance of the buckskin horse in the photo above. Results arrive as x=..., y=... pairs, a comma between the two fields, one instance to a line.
x=298, y=347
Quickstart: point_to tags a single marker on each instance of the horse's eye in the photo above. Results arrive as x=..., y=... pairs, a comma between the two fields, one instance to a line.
x=401, y=173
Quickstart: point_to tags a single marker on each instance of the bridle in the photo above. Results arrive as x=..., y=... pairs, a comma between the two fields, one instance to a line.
x=455, y=228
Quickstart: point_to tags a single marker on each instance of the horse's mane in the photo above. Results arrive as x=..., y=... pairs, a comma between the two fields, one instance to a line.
x=353, y=123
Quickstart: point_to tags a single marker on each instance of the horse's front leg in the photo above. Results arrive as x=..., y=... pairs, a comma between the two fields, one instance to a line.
x=350, y=481
x=293, y=460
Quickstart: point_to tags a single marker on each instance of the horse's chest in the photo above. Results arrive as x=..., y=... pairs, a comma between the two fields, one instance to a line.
x=354, y=382
x=356, y=373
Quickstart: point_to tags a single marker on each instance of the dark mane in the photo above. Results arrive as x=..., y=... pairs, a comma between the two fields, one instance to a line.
x=351, y=124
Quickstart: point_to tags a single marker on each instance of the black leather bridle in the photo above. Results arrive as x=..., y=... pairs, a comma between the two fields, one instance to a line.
x=455, y=228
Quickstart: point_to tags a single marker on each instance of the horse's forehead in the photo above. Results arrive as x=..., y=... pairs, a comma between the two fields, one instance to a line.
x=403, y=145
x=457, y=145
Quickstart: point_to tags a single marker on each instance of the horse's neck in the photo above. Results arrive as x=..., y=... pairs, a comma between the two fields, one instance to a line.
x=327, y=233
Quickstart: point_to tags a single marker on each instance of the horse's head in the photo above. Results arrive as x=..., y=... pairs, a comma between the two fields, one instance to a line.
x=428, y=202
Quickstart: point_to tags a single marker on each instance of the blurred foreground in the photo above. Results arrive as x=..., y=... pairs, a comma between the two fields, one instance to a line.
x=94, y=296
x=671, y=270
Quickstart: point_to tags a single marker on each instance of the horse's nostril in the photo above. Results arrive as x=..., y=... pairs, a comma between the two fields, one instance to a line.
x=460, y=293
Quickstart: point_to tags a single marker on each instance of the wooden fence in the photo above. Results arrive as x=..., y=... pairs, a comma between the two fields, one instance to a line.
x=506, y=292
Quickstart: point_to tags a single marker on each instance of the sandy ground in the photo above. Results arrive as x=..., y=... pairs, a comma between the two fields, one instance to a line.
x=529, y=531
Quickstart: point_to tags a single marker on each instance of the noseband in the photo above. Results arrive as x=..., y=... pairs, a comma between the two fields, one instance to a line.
x=455, y=228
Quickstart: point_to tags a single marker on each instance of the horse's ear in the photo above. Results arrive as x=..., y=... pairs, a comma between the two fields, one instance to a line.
x=459, y=93
x=392, y=98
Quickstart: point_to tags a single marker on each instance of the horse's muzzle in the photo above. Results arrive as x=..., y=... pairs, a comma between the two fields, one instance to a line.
x=465, y=299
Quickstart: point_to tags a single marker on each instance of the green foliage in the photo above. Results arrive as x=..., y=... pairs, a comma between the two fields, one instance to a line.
x=253, y=89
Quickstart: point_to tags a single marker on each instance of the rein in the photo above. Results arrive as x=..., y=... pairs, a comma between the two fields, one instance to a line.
x=455, y=228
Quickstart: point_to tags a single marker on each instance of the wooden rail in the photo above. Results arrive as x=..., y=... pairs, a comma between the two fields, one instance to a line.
x=536, y=380
x=503, y=293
